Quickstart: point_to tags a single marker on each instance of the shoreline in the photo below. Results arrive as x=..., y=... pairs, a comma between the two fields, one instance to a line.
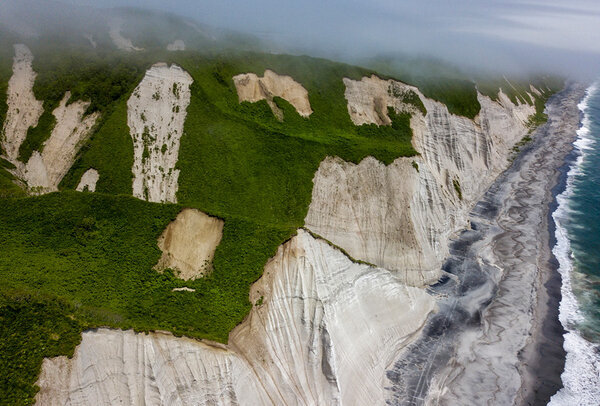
x=543, y=359
x=496, y=338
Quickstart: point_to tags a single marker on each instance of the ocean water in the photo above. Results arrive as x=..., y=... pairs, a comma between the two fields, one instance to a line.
x=577, y=249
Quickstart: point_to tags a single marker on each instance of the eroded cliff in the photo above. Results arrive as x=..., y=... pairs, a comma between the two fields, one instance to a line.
x=156, y=113
x=322, y=331
x=252, y=88
x=401, y=216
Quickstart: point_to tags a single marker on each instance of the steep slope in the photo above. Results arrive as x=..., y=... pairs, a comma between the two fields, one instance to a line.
x=252, y=88
x=405, y=225
x=321, y=332
x=24, y=110
x=156, y=114
x=45, y=170
x=319, y=328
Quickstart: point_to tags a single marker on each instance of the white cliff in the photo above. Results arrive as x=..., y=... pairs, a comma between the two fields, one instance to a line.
x=45, y=169
x=401, y=216
x=121, y=367
x=252, y=88
x=24, y=110
x=322, y=331
x=189, y=243
x=88, y=181
x=156, y=114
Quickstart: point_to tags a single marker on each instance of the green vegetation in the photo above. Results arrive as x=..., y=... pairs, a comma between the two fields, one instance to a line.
x=33, y=328
x=94, y=253
x=415, y=165
x=460, y=96
x=101, y=78
x=72, y=261
x=457, y=188
x=436, y=79
x=411, y=97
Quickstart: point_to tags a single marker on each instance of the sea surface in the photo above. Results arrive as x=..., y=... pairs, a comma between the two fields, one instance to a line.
x=577, y=249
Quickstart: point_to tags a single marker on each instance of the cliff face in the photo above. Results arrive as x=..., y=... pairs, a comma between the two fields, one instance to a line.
x=323, y=329
x=156, y=113
x=24, y=110
x=401, y=216
x=46, y=168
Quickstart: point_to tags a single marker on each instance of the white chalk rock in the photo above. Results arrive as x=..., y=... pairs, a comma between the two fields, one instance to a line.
x=189, y=243
x=88, y=181
x=399, y=217
x=323, y=331
x=45, y=170
x=156, y=114
x=252, y=88
x=121, y=367
x=24, y=110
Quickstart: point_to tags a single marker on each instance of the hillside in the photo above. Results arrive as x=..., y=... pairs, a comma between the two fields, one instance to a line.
x=74, y=261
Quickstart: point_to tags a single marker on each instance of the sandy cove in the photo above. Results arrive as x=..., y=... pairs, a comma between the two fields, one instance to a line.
x=496, y=339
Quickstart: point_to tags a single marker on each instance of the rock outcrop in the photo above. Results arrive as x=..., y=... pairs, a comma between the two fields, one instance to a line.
x=394, y=216
x=24, y=110
x=322, y=331
x=156, y=114
x=401, y=216
x=188, y=244
x=252, y=88
x=177, y=45
x=88, y=181
x=121, y=367
x=45, y=169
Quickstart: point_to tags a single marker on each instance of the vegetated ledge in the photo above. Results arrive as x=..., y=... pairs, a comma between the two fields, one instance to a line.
x=337, y=247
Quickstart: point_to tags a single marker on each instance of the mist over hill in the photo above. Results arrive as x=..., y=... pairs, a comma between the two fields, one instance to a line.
x=499, y=37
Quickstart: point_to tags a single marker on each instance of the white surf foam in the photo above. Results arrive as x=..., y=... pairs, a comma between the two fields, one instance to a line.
x=581, y=377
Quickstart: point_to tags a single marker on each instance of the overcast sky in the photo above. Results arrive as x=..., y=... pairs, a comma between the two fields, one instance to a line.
x=489, y=33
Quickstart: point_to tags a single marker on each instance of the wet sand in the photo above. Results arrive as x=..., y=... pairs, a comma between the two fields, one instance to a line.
x=496, y=339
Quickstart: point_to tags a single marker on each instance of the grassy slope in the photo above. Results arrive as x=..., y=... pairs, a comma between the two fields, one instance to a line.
x=94, y=252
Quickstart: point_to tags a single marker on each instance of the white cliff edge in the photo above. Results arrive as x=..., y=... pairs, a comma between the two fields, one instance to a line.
x=323, y=329
x=24, y=110
x=46, y=168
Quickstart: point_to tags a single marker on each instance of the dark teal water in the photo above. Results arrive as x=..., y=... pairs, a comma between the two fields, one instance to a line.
x=583, y=225
x=577, y=250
